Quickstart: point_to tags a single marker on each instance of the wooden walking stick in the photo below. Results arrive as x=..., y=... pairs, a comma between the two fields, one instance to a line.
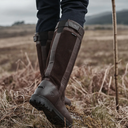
x=115, y=52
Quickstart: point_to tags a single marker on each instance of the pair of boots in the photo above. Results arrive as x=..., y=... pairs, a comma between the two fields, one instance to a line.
x=50, y=94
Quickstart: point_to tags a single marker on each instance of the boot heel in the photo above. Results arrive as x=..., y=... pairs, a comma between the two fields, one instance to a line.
x=52, y=114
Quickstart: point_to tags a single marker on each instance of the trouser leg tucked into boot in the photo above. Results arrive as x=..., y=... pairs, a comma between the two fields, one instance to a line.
x=50, y=94
x=43, y=42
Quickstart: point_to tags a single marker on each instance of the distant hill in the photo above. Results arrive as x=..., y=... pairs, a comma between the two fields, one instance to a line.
x=106, y=18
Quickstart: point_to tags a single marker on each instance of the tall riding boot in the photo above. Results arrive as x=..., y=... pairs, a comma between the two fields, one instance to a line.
x=43, y=42
x=50, y=94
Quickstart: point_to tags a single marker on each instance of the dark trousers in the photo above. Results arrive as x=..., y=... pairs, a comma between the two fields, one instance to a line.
x=49, y=12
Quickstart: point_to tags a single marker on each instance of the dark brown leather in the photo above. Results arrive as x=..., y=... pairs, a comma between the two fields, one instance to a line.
x=42, y=53
x=71, y=24
x=62, y=60
x=50, y=92
x=40, y=60
x=64, y=50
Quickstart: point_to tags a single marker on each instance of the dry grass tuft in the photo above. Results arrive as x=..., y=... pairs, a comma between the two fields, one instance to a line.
x=91, y=91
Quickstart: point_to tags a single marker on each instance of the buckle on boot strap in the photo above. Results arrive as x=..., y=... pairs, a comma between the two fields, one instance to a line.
x=36, y=38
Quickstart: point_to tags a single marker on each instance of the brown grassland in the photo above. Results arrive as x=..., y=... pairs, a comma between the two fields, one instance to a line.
x=91, y=86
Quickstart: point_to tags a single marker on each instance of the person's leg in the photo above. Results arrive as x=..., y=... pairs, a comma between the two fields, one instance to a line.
x=48, y=15
x=74, y=10
x=49, y=96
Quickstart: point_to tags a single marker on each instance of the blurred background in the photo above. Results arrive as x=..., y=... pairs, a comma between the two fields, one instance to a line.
x=17, y=27
x=25, y=10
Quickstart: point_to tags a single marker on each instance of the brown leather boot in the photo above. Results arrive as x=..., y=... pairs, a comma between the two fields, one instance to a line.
x=43, y=42
x=50, y=94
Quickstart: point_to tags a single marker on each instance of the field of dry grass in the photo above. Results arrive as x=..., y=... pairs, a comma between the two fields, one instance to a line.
x=91, y=86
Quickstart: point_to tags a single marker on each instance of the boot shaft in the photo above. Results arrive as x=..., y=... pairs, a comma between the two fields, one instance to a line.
x=65, y=46
x=43, y=42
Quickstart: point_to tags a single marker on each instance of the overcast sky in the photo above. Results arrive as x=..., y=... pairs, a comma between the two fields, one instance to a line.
x=25, y=10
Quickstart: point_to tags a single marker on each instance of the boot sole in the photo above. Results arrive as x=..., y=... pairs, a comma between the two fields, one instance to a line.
x=52, y=114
